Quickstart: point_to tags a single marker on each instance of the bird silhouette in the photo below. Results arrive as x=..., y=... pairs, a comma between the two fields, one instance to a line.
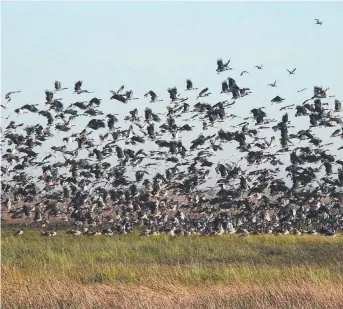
x=221, y=66
x=291, y=72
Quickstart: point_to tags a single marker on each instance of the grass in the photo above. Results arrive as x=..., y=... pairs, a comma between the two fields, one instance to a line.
x=168, y=272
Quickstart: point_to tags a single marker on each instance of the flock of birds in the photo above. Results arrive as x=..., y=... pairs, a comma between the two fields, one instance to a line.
x=250, y=196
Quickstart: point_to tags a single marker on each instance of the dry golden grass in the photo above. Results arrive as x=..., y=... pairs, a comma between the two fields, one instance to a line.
x=165, y=272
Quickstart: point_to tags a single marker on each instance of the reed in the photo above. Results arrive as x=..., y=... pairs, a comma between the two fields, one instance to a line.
x=228, y=271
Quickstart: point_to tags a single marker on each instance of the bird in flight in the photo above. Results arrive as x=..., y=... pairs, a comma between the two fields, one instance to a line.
x=203, y=93
x=222, y=66
x=286, y=107
x=291, y=72
x=301, y=90
x=259, y=66
x=118, y=97
x=244, y=72
x=8, y=97
x=189, y=85
x=78, y=90
x=273, y=84
x=58, y=86
x=318, y=22
x=277, y=99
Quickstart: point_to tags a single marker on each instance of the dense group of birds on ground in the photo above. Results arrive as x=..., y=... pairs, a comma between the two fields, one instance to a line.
x=250, y=196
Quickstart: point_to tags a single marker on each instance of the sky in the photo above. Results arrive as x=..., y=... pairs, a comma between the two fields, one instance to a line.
x=156, y=45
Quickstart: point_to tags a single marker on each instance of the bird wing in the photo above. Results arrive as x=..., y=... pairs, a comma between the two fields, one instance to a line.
x=78, y=85
x=232, y=82
x=219, y=63
x=153, y=95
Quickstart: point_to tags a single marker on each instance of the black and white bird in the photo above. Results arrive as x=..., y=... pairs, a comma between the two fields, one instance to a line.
x=78, y=90
x=118, y=97
x=58, y=86
x=129, y=95
x=222, y=66
x=189, y=85
x=153, y=96
x=29, y=107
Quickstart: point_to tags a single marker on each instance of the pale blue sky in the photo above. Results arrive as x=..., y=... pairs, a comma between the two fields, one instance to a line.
x=155, y=45
x=158, y=44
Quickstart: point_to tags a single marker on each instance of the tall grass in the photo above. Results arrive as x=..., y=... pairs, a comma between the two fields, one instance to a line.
x=168, y=272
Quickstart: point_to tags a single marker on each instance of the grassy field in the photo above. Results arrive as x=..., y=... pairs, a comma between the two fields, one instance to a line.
x=169, y=272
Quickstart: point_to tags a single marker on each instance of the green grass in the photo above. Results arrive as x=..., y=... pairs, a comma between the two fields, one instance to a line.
x=159, y=262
